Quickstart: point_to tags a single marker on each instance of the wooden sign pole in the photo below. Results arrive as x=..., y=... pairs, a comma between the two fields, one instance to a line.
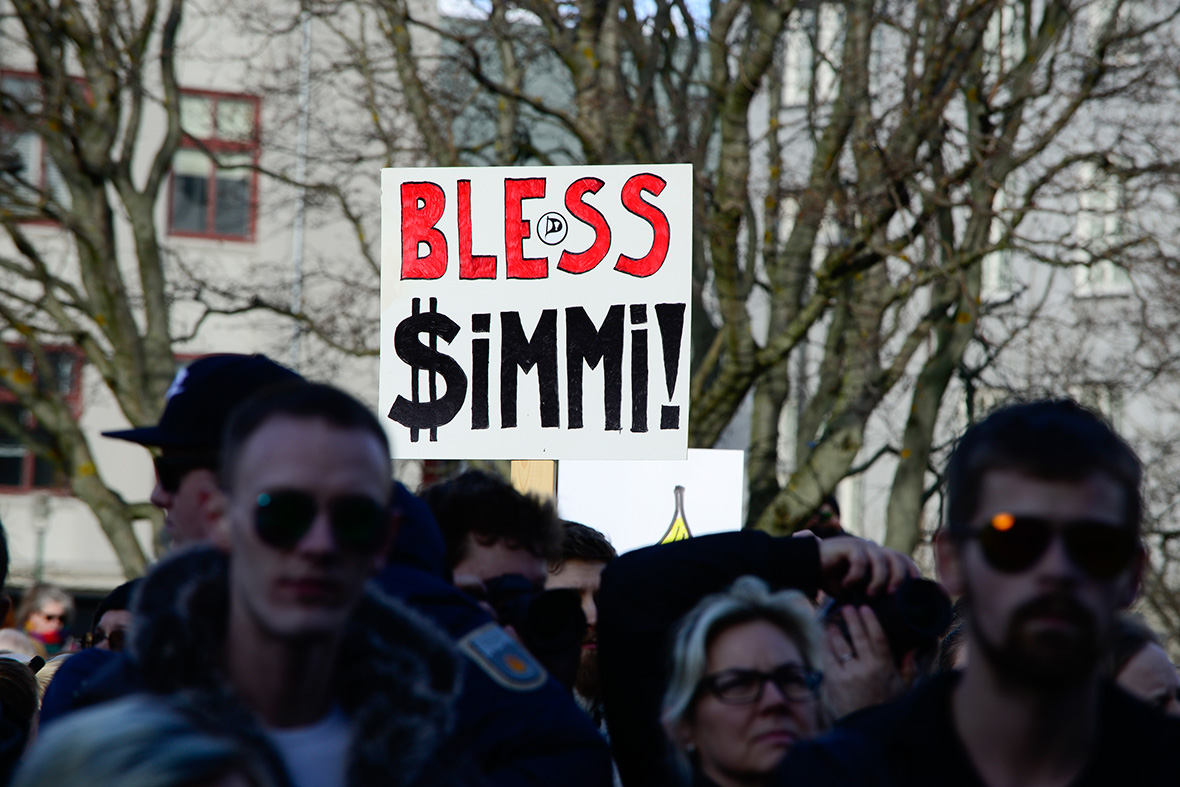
x=535, y=477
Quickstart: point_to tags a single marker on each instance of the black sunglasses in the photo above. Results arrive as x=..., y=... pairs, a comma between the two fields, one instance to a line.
x=283, y=517
x=115, y=640
x=172, y=468
x=741, y=686
x=1012, y=543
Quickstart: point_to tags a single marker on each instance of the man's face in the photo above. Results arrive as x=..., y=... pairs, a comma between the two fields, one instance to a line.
x=111, y=629
x=309, y=589
x=584, y=577
x=1046, y=625
x=190, y=499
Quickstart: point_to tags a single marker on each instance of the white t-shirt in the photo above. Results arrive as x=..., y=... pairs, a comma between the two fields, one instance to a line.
x=316, y=755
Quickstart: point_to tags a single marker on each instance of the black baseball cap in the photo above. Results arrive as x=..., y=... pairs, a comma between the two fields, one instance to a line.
x=201, y=398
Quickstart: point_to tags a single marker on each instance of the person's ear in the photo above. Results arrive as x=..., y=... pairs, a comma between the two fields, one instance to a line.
x=211, y=504
x=682, y=732
x=949, y=559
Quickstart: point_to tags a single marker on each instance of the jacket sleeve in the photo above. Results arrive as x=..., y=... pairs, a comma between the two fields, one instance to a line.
x=644, y=593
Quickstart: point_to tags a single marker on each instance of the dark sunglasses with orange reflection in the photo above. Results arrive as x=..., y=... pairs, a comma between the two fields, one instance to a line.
x=1012, y=543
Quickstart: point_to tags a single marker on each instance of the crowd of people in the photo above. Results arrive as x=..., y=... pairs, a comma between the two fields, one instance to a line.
x=316, y=624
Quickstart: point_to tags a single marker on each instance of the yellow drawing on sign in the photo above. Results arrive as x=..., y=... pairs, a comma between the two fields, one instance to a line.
x=678, y=530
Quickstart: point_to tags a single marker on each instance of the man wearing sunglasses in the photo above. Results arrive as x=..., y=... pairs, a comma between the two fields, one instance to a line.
x=188, y=437
x=517, y=731
x=346, y=684
x=1042, y=542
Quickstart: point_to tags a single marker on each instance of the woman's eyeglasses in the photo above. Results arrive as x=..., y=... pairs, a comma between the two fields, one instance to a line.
x=740, y=686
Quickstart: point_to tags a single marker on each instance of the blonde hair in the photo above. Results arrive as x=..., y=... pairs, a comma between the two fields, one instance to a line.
x=46, y=673
x=748, y=599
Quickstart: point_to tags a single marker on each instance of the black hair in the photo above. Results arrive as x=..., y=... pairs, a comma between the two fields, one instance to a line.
x=491, y=510
x=117, y=599
x=301, y=400
x=1056, y=439
x=580, y=542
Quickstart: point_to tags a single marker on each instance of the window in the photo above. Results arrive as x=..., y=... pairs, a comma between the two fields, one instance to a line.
x=1003, y=41
x=998, y=282
x=27, y=172
x=1101, y=213
x=980, y=400
x=214, y=185
x=812, y=53
x=1105, y=398
x=997, y=275
x=20, y=469
x=1114, y=26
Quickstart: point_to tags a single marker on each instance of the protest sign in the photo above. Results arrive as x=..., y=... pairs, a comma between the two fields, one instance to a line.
x=536, y=312
x=635, y=502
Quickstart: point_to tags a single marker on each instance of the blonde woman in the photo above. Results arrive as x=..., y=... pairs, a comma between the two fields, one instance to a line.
x=744, y=685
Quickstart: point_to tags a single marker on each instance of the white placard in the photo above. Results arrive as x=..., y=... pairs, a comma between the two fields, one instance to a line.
x=634, y=502
x=536, y=312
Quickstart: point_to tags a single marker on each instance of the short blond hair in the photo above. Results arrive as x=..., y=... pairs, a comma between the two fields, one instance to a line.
x=748, y=599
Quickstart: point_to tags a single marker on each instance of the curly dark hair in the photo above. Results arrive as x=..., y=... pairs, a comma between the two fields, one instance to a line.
x=491, y=510
x=580, y=542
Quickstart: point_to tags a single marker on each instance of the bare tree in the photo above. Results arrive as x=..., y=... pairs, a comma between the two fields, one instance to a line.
x=97, y=70
x=858, y=166
x=861, y=167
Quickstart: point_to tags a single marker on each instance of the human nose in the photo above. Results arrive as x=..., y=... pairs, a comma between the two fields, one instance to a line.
x=1056, y=565
x=319, y=538
x=773, y=696
x=590, y=610
x=161, y=498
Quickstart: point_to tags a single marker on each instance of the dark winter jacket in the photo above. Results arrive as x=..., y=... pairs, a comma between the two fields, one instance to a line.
x=396, y=680
x=520, y=729
x=911, y=742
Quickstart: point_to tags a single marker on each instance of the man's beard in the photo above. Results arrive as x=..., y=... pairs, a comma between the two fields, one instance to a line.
x=1047, y=660
x=587, y=683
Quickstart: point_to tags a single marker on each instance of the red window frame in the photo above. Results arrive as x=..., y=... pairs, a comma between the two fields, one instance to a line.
x=217, y=146
x=73, y=397
x=42, y=151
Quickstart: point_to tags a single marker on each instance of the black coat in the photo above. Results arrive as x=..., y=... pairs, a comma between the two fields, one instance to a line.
x=521, y=730
x=644, y=594
x=396, y=683
x=911, y=742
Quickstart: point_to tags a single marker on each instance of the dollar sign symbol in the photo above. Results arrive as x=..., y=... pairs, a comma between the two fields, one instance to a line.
x=434, y=412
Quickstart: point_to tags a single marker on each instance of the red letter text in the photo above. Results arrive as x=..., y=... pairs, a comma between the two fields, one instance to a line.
x=480, y=266
x=586, y=260
x=418, y=226
x=632, y=201
x=515, y=231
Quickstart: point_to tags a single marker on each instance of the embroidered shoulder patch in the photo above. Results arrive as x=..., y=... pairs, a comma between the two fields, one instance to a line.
x=504, y=659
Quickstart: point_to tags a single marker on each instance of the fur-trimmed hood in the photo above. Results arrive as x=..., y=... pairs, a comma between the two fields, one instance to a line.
x=397, y=678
